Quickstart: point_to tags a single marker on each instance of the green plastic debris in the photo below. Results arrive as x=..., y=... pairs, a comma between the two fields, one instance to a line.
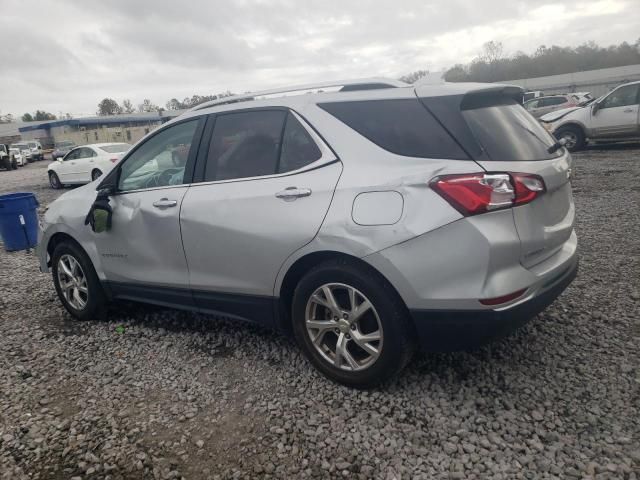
x=120, y=329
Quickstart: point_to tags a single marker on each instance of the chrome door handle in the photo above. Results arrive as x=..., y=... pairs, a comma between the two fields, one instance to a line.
x=291, y=193
x=628, y=110
x=165, y=203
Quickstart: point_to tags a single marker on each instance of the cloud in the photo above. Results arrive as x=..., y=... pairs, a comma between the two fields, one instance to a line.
x=74, y=53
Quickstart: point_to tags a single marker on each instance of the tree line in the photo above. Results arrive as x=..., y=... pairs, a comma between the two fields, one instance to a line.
x=493, y=65
x=108, y=106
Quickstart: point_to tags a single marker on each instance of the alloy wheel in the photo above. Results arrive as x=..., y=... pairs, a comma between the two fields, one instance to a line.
x=570, y=138
x=53, y=181
x=344, y=326
x=73, y=282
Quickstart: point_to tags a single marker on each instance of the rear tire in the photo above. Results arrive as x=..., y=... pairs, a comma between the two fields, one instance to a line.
x=14, y=164
x=95, y=175
x=77, y=283
x=574, y=137
x=54, y=181
x=334, y=348
x=6, y=163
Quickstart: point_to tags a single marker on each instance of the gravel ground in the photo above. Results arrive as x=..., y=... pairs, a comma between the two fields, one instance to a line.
x=154, y=393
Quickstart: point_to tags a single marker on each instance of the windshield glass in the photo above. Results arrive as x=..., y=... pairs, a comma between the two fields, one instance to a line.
x=506, y=131
x=32, y=145
x=21, y=146
x=117, y=148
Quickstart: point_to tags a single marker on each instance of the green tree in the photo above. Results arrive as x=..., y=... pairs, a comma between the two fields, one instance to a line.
x=147, y=106
x=492, y=65
x=174, y=104
x=109, y=106
x=27, y=117
x=41, y=115
x=127, y=106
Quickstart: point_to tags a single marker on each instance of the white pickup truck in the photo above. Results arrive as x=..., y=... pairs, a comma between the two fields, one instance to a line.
x=611, y=118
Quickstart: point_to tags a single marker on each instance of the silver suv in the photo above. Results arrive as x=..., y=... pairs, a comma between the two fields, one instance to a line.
x=365, y=218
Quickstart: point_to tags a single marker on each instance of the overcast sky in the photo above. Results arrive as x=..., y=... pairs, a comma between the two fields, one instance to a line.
x=65, y=56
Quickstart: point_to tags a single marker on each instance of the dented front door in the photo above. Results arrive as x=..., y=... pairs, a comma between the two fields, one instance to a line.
x=144, y=244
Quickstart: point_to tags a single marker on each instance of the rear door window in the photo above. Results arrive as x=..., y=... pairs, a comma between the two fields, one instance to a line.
x=245, y=144
x=505, y=131
x=298, y=148
x=401, y=126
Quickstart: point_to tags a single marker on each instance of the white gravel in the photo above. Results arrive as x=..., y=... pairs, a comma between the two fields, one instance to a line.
x=185, y=396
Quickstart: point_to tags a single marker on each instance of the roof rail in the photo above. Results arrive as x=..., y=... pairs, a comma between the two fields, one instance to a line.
x=347, y=85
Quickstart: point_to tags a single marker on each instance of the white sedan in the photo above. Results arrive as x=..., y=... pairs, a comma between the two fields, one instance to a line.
x=85, y=164
x=21, y=160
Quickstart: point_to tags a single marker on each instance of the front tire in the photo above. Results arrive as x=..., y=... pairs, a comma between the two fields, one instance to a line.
x=574, y=137
x=76, y=282
x=54, y=181
x=351, y=325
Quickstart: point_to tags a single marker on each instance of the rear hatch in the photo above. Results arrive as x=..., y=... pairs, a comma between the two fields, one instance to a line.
x=501, y=136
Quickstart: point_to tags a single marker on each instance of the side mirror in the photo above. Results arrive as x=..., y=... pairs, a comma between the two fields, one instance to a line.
x=594, y=108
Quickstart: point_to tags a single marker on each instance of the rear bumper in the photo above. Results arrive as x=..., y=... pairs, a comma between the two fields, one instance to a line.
x=450, y=330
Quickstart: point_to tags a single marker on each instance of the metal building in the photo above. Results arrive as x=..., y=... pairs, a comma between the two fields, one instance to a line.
x=81, y=131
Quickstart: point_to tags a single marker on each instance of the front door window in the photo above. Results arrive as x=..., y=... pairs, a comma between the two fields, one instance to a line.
x=161, y=160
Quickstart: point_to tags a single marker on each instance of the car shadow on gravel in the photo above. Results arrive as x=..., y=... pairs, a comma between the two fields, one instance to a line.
x=613, y=146
x=457, y=367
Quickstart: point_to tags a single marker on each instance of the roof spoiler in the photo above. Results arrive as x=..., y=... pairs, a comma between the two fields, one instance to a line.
x=482, y=95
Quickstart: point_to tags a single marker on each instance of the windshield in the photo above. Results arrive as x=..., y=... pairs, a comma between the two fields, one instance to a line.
x=32, y=145
x=506, y=131
x=21, y=146
x=117, y=148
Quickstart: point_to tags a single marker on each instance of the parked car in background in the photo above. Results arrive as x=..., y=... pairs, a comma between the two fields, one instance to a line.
x=36, y=150
x=543, y=105
x=531, y=95
x=7, y=158
x=85, y=164
x=62, y=148
x=21, y=161
x=367, y=222
x=24, y=150
x=611, y=118
x=582, y=97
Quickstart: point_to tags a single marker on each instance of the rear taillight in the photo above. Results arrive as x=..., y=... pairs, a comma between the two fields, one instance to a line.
x=113, y=160
x=476, y=193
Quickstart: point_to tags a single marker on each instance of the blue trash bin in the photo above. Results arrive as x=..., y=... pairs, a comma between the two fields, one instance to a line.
x=19, y=221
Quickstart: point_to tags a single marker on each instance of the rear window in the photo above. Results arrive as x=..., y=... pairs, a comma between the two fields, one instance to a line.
x=118, y=148
x=506, y=131
x=400, y=126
